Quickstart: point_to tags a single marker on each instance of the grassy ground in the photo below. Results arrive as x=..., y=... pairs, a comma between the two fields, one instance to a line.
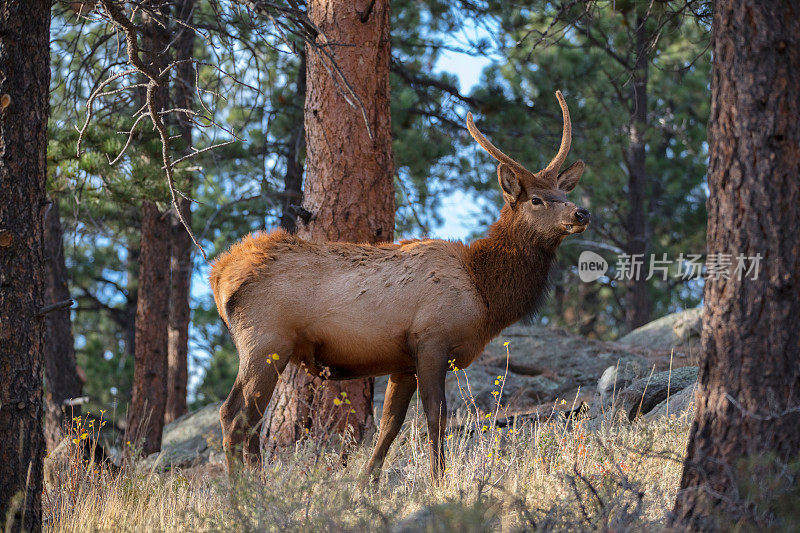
x=540, y=475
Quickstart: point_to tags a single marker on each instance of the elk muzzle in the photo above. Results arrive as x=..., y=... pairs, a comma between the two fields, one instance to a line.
x=579, y=222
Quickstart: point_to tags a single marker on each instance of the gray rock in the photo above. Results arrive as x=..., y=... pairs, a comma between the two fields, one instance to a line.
x=544, y=364
x=644, y=394
x=518, y=390
x=189, y=440
x=614, y=379
x=680, y=331
x=679, y=404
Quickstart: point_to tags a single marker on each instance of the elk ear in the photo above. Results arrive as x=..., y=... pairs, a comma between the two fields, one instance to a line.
x=568, y=179
x=512, y=190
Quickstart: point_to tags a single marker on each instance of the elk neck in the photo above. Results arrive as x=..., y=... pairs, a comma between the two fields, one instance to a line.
x=510, y=268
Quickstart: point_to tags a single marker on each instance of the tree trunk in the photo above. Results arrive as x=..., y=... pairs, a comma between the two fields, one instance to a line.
x=24, y=91
x=637, y=309
x=128, y=322
x=349, y=192
x=60, y=370
x=747, y=423
x=179, y=314
x=293, y=180
x=181, y=249
x=149, y=395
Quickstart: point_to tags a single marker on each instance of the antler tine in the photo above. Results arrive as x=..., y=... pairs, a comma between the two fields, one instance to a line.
x=566, y=139
x=492, y=149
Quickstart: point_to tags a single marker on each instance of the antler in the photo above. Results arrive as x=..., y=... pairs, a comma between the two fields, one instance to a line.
x=549, y=174
x=566, y=140
x=493, y=150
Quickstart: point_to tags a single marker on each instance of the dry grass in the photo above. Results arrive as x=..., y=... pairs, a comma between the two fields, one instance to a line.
x=549, y=474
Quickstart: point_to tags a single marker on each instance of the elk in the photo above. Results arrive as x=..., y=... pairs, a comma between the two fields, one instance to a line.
x=407, y=310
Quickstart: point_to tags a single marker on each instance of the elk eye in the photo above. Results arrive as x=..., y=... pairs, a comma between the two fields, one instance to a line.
x=536, y=201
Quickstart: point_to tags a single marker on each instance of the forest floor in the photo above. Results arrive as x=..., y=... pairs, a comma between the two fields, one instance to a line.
x=548, y=475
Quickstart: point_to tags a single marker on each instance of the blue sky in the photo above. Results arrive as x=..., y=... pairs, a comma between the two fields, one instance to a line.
x=457, y=215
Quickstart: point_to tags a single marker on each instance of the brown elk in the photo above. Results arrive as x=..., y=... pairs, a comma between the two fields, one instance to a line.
x=406, y=310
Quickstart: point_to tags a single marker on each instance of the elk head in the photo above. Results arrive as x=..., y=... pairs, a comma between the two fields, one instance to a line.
x=538, y=200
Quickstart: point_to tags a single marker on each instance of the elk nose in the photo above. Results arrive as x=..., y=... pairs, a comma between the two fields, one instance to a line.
x=582, y=215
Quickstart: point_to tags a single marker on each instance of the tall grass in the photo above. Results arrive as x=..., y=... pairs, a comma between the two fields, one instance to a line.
x=540, y=474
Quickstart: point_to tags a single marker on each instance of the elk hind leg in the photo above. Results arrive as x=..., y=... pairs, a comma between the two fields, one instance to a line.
x=399, y=391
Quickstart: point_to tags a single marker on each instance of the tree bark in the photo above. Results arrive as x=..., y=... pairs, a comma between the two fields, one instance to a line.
x=181, y=248
x=149, y=394
x=61, y=371
x=637, y=309
x=293, y=180
x=349, y=192
x=747, y=423
x=24, y=91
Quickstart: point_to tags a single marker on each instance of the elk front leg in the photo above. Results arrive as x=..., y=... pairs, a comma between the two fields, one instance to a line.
x=431, y=371
x=243, y=409
x=399, y=391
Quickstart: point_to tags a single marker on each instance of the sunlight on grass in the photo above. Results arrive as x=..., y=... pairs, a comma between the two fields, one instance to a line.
x=544, y=474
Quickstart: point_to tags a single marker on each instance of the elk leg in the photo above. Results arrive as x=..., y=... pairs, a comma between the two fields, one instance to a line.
x=399, y=391
x=243, y=409
x=431, y=371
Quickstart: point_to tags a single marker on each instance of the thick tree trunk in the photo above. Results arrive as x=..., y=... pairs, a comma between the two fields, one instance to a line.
x=24, y=90
x=349, y=192
x=747, y=424
x=60, y=370
x=637, y=309
x=181, y=249
x=149, y=395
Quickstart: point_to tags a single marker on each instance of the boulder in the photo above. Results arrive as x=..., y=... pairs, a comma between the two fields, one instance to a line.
x=188, y=441
x=614, y=379
x=679, y=404
x=680, y=331
x=644, y=394
x=544, y=364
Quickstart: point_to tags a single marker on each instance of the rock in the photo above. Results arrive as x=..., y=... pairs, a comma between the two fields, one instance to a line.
x=568, y=363
x=680, y=331
x=545, y=364
x=680, y=404
x=644, y=394
x=520, y=391
x=614, y=379
x=189, y=440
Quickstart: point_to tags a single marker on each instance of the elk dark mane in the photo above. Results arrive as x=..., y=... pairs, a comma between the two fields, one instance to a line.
x=510, y=269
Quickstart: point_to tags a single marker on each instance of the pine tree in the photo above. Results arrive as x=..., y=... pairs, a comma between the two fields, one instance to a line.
x=24, y=84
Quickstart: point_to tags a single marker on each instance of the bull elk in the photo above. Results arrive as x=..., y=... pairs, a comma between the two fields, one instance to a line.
x=406, y=310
